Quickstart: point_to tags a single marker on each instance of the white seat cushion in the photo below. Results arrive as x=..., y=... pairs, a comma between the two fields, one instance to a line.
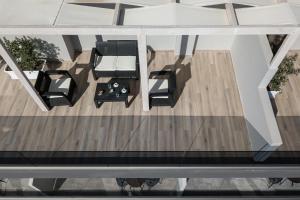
x=60, y=85
x=126, y=63
x=106, y=63
x=158, y=86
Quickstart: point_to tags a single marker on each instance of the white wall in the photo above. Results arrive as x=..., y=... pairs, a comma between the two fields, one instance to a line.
x=56, y=40
x=296, y=46
x=89, y=41
x=162, y=43
x=251, y=65
x=215, y=42
x=158, y=43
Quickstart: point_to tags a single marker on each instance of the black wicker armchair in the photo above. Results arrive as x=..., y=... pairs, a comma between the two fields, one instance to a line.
x=162, y=88
x=56, y=91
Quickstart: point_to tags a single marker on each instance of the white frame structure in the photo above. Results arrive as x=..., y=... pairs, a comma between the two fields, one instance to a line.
x=142, y=32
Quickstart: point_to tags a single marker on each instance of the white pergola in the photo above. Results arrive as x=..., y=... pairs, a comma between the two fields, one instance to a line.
x=175, y=15
x=58, y=17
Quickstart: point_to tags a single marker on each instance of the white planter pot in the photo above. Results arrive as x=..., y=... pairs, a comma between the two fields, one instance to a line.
x=32, y=75
x=272, y=94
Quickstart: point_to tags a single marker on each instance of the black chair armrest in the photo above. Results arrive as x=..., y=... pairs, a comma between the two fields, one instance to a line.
x=58, y=72
x=172, y=82
x=160, y=73
x=92, y=59
x=49, y=94
x=161, y=94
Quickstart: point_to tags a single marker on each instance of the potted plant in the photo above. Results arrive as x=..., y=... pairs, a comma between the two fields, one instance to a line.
x=281, y=77
x=27, y=57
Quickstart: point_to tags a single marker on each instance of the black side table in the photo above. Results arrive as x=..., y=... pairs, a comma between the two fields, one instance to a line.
x=114, y=91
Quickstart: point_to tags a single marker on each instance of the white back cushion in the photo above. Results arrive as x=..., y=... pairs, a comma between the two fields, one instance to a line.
x=126, y=63
x=60, y=85
x=106, y=63
x=158, y=85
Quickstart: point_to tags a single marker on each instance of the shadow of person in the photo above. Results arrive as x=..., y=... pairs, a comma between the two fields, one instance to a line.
x=183, y=74
x=80, y=73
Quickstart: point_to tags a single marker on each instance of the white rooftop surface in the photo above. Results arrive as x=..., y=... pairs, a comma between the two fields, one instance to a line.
x=130, y=2
x=296, y=10
x=28, y=12
x=74, y=14
x=175, y=14
x=145, y=2
x=255, y=2
x=215, y=2
x=279, y=14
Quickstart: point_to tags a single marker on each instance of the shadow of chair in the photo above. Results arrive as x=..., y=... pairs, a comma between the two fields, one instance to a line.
x=152, y=54
x=183, y=74
x=80, y=73
x=46, y=49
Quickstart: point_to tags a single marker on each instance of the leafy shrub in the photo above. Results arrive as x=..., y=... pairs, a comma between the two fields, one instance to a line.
x=25, y=53
x=281, y=77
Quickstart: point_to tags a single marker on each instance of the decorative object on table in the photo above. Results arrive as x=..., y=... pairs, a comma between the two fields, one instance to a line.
x=116, y=85
x=26, y=55
x=124, y=90
x=281, y=77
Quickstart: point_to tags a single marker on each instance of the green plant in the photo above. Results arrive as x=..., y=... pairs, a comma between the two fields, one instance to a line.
x=281, y=77
x=25, y=53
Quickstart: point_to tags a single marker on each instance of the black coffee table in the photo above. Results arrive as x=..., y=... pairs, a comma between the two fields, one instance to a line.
x=114, y=91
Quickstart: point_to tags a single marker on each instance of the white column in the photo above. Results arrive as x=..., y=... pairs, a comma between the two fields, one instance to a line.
x=142, y=49
x=181, y=184
x=231, y=14
x=9, y=59
x=116, y=14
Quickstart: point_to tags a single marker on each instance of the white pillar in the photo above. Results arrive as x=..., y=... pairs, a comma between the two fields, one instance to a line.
x=181, y=184
x=116, y=14
x=142, y=49
x=231, y=14
x=9, y=59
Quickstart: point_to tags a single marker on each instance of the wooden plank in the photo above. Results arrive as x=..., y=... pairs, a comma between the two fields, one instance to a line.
x=208, y=115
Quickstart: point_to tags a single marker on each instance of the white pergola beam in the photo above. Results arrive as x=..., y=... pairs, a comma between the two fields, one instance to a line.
x=10, y=60
x=153, y=30
x=277, y=59
x=142, y=50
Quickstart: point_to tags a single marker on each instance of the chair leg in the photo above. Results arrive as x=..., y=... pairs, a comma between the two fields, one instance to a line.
x=94, y=75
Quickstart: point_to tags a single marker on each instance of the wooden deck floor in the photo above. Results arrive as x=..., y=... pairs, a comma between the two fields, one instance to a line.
x=208, y=115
